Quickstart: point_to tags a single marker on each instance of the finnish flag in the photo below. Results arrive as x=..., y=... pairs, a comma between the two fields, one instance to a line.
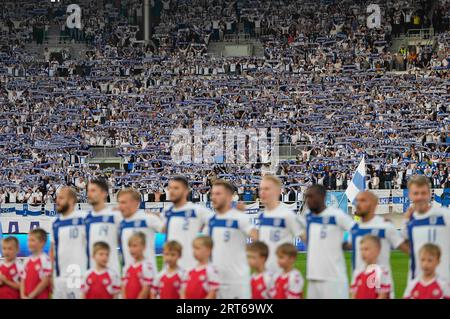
x=358, y=182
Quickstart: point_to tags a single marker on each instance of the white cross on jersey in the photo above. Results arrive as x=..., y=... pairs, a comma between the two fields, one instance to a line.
x=69, y=242
x=277, y=227
x=140, y=222
x=183, y=225
x=325, y=234
x=389, y=237
x=104, y=226
x=431, y=227
x=229, y=233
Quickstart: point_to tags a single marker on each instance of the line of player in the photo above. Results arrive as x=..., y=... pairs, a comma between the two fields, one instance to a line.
x=89, y=249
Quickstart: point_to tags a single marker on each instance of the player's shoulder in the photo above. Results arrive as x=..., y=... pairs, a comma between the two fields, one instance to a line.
x=442, y=282
x=333, y=211
x=211, y=268
x=112, y=273
x=89, y=273
x=80, y=214
x=295, y=273
x=440, y=211
x=286, y=210
x=44, y=257
x=197, y=208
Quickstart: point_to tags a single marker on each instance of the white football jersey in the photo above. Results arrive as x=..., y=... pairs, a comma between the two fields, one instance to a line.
x=69, y=242
x=325, y=235
x=104, y=226
x=183, y=225
x=389, y=236
x=229, y=233
x=148, y=224
x=431, y=227
x=277, y=227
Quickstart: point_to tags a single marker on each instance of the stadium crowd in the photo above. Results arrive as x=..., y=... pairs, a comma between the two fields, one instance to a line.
x=331, y=88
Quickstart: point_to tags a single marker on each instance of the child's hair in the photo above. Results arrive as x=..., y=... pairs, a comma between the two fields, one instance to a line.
x=137, y=236
x=204, y=241
x=287, y=249
x=101, y=245
x=260, y=248
x=173, y=245
x=11, y=239
x=431, y=249
x=39, y=233
x=374, y=239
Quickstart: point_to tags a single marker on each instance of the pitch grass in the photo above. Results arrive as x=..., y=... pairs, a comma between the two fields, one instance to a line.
x=399, y=265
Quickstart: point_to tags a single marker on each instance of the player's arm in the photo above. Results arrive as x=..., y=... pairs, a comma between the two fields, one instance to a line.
x=347, y=246
x=22, y=290
x=144, y=293
x=10, y=283
x=123, y=292
x=383, y=295
x=404, y=247
x=211, y=294
x=182, y=293
x=43, y=284
x=254, y=234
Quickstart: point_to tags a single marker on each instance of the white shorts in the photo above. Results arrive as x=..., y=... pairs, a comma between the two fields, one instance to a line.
x=234, y=291
x=65, y=288
x=327, y=289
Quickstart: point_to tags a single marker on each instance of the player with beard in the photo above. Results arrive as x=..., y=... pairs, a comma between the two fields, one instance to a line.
x=68, y=246
x=229, y=230
x=371, y=224
x=183, y=220
x=102, y=223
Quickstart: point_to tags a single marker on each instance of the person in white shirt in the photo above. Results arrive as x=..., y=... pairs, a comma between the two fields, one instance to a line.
x=277, y=224
x=68, y=247
x=229, y=230
x=136, y=220
x=184, y=221
x=325, y=227
x=102, y=223
x=426, y=224
x=371, y=224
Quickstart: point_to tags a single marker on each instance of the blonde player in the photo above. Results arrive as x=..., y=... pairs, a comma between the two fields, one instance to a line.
x=229, y=229
x=326, y=269
x=184, y=220
x=135, y=220
x=102, y=223
x=277, y=224
x=68, y=246
x=426, y=224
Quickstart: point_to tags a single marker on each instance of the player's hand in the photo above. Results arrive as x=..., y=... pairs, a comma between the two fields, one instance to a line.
x=241, y=206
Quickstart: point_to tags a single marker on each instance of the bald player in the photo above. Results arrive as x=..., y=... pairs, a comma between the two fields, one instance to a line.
x=371, y=224
x=277, y=224
x=68, y=246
